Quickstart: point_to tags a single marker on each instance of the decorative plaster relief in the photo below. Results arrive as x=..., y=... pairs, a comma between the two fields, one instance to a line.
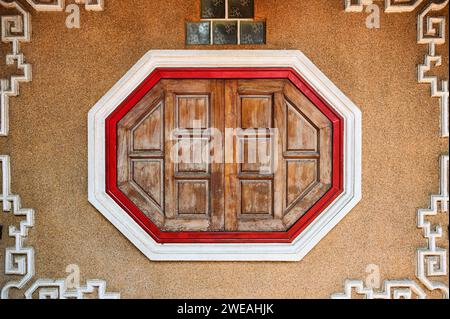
x=431, y=31
x=431, y=260
x=19, y=258
x=15, y=29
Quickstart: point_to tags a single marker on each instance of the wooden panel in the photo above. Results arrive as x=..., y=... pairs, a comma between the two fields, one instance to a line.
x=150, y=210
x=307, y=154
x=192, y=197
x=145, y=106
x=169, y=168
x=270, y=199
x=192, y=155
x=268, y=227
x=147, y=174
x=279, y=167
x=250, y=182
x=301, y=134
x=255, y=111
x=192, y=111
x=256, y=155
x=326, y=139
x=260, y=86
x=256, y=197
x=301, y=175
x=231, y=169
x=303, y=104
x=297, y=210
x=190, y=202
x=140, y=168
x=264, y=180
x=148, y=133
x=217, y=151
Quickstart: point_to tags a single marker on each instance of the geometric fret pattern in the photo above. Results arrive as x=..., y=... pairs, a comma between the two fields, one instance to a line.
x=19, y=258
x=15, y=29
x=431, y=260
x=431, y=31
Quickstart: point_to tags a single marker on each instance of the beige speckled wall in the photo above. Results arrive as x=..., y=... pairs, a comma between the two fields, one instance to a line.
x=73, y=69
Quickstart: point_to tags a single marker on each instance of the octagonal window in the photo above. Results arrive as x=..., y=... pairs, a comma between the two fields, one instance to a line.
x=245, y=155
x=248, y=156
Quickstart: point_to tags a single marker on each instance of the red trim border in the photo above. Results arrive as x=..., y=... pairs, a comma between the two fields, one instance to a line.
x=223, y=237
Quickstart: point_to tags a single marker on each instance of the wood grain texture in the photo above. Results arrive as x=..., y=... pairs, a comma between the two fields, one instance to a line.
x=188, y=171
x=231, y=169
x=277, y=152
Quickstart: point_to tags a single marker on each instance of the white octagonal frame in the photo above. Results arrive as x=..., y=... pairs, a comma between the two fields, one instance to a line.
x=308, y=238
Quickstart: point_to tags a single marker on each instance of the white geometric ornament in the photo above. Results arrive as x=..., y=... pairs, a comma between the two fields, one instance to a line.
x=19, y=259
x=431, y=261
x=431, y=30
x=15, y=29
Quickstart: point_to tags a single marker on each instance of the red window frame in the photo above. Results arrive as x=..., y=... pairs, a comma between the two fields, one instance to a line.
x=223, y=237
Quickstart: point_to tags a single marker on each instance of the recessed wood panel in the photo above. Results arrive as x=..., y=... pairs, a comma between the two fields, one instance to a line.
x=256, y=155
x=148, y=133
x=301, y=174
x=301, y=134
x=192, y=111
x=256, y=112
x=148, y=175
x=256, y=197
x=192, y=197
x=192, y=155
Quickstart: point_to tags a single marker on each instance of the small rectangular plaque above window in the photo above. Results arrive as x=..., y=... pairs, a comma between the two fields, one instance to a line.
x=226, y=22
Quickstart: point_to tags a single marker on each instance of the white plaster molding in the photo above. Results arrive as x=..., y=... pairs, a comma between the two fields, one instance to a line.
x=440, y=91
x=15, y=29
x=220, y=58
x=390, y=6
x=396, y=6
x=56, y=289
x=94, y=5
x=431, y=261
x=59, y=5
x=427, y=32
x=53, y=5
x=19, y=259
x=393, y=289
x=431, y=31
